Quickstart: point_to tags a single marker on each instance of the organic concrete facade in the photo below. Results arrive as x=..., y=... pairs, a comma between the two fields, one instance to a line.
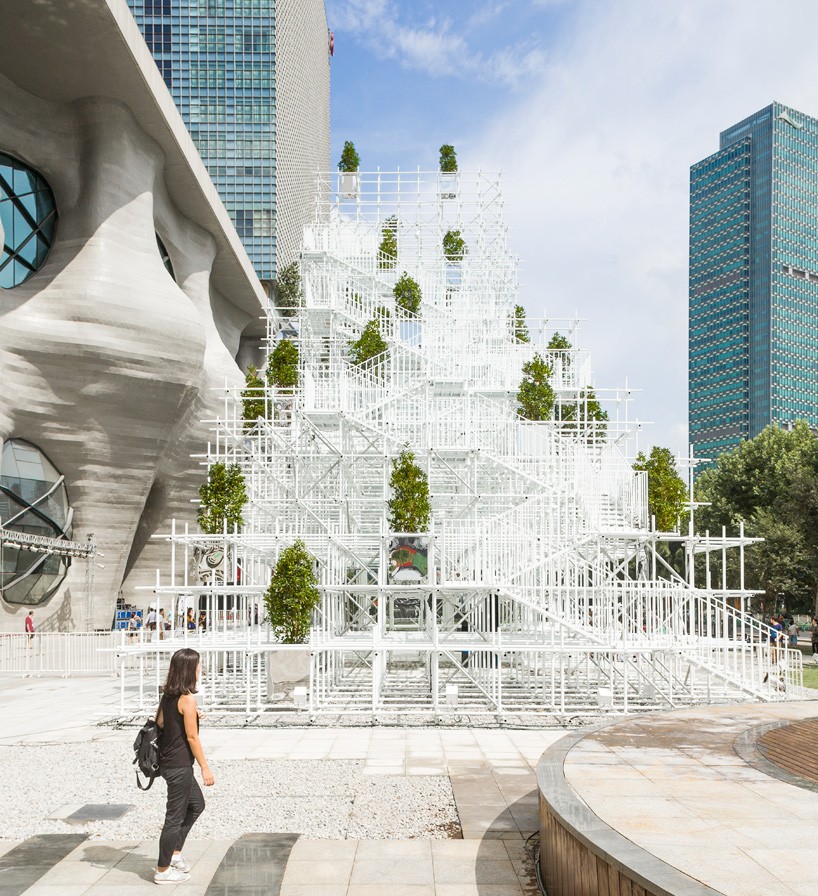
x=107, y=364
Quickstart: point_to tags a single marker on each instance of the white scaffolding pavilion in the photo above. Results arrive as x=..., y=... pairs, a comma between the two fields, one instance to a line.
x=537, y=591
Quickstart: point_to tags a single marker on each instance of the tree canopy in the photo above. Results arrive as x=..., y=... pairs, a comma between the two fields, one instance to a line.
x=448, y=158
x=288, y=289
x=407, y=294
x=252, y=397
x=518, y=325
x=371, y=342
x=667, y=492
x=282, y=365
x=223, y=498
x=388, y=248
x=292, y=595
x=535, y=395
x=350, y=160
x=409, y=508
x=771, y=483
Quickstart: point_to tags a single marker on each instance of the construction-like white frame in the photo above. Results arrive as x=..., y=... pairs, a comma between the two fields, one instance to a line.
x=537, y=590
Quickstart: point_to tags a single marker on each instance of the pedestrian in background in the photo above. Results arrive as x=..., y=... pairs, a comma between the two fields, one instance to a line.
x=792, y=631
x=30, y=628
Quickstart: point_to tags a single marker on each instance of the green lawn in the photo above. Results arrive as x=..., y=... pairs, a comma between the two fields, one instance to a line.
x=810, y=675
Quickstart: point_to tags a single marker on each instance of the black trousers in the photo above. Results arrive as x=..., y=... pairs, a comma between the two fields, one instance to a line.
x=185, y=804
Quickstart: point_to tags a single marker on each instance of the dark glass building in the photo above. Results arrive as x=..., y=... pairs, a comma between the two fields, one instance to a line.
x=753, y=291
x=238, y=70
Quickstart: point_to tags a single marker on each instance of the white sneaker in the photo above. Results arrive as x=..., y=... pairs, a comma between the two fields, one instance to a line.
x=170, y=875
x=180, y=863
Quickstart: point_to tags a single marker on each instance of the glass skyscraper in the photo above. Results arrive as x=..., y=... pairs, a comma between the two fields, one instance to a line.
x=753, y=330
x=237, y=69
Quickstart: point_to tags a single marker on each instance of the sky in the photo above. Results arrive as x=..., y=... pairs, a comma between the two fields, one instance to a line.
x=593, y=110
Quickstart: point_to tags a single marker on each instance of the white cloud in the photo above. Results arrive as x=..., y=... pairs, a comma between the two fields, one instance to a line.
x=438, y=47
x=597, y=160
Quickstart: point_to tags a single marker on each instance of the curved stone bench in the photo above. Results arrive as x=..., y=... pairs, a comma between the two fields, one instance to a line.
x=580, y=855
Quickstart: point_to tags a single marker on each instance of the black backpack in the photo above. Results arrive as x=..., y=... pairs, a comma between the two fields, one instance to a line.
x=146, y=752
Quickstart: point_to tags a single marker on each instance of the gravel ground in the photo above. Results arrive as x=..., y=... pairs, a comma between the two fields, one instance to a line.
x=330, y=799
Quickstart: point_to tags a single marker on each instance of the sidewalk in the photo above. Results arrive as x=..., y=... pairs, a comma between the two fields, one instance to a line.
x=491, y=773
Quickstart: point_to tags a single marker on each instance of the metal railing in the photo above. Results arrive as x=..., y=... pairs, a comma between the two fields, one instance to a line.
x=58, y=653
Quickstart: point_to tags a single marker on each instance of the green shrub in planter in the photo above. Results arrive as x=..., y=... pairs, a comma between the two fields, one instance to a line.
x=252, y=398
x=223, y=498
x=288, y=296
x=371, y=341
x=350, y=160
x=519, y=326
x=388, y=248
x=454, y=246
x=448, y=158
x=407, y=294
x=535, y=395
x=282, y=365
x=409, y=508
x=292, y=596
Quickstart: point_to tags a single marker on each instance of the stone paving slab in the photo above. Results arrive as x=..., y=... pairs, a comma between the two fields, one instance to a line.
x=284, y=865
x=681, y=786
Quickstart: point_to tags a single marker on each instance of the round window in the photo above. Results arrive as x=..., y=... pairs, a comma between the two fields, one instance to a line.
x=28, y=217
x=34, y=501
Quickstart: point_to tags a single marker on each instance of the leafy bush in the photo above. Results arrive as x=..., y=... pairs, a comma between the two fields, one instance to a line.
x=288, y=289
x=409, y=508
x=519, y=326
x=350, y=160
x=292, y=596
x=388, y=248
x=282, y=365
x=252, y=398
x=407, y=294
x=223, y=498
x=448, y=158
x=371, y=342
x=535, y=395
x=454, y=246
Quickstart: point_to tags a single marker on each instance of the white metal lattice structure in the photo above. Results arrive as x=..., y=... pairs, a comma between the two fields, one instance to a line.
x=537, y=590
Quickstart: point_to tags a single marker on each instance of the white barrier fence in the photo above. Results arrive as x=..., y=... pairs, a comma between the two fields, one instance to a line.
x=59, y=653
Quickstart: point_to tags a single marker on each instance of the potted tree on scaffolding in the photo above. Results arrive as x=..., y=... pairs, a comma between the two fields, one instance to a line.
x=348, y=166
x=454, y=249
x=290, y=599
x=448, y=172
x=409, y=513
x=223, y=498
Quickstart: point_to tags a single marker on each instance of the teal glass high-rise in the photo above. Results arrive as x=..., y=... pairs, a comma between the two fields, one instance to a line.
x=753, y=291
x=218, y=59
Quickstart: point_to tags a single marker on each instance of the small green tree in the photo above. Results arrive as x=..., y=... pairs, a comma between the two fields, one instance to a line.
x=288, y=289
x=558, y=343
x=586, y=410
x=252, y=398
x=448, y=158
x=223, y=498
x=667, y=492
x=407, y=294
x=371, y=341
x=535, y=395
x=292, y=596
x=409, y=508
x=454, y=246
x=282, y=365
x=388, y=248
x=350, y=160
x=519, y=327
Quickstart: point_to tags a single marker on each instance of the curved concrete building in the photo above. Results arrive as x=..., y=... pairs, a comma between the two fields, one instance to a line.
x=133, y=307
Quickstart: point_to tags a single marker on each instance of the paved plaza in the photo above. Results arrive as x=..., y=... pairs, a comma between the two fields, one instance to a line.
x=482, y=851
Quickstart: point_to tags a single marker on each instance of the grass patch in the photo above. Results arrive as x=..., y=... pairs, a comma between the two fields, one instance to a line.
x=810, y=674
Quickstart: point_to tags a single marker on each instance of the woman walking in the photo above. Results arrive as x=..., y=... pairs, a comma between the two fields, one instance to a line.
x=178, y=718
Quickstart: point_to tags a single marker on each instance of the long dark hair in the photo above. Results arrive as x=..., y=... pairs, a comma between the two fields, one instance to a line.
x=182, y=673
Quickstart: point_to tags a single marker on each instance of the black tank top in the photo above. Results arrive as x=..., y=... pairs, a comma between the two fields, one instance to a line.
x=174, y=750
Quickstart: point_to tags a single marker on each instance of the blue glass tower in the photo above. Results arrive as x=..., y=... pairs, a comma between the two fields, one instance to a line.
x=753, y=291
x=218, y=59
